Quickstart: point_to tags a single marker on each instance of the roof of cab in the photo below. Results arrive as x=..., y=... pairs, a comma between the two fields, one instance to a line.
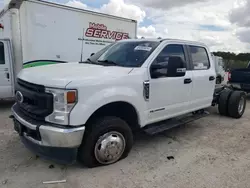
x=168, y=40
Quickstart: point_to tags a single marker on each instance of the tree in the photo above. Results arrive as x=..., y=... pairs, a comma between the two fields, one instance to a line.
x=233, y=60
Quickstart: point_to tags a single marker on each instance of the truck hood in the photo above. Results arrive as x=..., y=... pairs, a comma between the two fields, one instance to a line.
x=59, y=75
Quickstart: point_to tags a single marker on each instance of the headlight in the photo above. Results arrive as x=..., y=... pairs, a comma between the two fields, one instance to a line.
x=64, y=102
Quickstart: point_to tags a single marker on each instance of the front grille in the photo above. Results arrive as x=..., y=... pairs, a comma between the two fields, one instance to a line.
x=30, y=86
x=36, y=103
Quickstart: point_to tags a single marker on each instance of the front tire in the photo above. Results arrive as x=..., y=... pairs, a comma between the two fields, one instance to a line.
x=237, y=104
x=106, y=141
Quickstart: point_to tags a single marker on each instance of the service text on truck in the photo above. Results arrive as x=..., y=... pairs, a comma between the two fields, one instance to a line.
x=97, y=30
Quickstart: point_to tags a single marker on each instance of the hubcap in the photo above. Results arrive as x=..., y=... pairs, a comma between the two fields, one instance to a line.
x=241, y=105
x=109, y=147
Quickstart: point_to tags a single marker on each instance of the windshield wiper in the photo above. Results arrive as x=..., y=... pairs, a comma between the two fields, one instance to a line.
x=89, y=61
x=108, y=62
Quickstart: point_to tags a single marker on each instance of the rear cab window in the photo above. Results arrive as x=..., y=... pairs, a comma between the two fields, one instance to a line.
x=199, y=57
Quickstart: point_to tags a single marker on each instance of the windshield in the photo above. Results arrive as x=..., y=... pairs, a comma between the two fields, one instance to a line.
x=126, y=54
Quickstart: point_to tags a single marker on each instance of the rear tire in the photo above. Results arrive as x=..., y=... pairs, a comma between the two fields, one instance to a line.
x=218, y=80
x=223, y=102
x=106, y=141
x=237, y=104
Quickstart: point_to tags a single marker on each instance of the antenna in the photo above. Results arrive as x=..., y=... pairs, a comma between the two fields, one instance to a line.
x=82, y=45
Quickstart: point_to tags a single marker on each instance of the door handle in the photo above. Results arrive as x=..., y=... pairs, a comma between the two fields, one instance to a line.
x=7, y=75
x=187, y=81
x=211, y=78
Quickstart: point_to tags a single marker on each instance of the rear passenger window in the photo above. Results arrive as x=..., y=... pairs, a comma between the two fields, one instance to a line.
x=199, y=57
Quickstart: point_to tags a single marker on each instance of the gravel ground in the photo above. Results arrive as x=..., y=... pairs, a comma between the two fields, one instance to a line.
x=211, y=152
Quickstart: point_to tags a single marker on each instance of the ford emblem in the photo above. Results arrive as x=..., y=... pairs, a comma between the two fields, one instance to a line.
x=19, y=97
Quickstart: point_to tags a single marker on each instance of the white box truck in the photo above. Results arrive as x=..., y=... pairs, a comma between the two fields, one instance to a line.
x=34, y=33
x=219, y=68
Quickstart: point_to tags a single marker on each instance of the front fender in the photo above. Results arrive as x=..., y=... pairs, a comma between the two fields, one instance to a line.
x=87, y=105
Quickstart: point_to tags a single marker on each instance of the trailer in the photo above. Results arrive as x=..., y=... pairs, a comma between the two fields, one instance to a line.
x=35, y=33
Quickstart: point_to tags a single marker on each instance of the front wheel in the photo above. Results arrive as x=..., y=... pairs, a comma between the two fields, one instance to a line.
x=106, y=141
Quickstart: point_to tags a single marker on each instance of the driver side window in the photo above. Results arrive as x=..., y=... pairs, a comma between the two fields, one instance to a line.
x=171, y=50
x=170, y=62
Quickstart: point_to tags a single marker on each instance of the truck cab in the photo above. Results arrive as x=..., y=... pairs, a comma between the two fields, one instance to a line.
x=89, y=110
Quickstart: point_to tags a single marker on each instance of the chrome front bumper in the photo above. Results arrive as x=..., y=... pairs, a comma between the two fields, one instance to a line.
x=50, y=135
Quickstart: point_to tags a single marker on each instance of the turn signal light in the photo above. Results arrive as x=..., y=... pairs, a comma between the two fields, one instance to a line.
x=71, y=97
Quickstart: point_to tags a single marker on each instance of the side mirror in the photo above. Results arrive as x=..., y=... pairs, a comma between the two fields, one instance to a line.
x=173, y=67
x=159, y=70
x=92, y=54
x=176, y=67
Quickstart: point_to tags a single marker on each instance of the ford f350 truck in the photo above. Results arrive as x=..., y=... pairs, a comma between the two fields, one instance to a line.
x=89, y=110
x=35, y=33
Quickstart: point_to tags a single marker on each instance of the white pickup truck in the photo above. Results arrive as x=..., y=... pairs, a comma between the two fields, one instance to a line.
x=89, y=110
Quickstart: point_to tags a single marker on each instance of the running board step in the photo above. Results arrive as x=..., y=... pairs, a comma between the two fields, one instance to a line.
x=171, y=123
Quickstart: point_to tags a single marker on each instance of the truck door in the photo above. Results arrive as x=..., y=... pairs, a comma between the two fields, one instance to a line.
x=6, y=89
x=204, y=78
x=169, y=96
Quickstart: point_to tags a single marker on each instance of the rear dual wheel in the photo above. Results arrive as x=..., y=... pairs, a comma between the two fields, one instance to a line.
x=237, y=104
x=232, y=103
x=223, y=102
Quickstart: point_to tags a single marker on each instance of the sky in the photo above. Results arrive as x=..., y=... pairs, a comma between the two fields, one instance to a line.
x=224, y=25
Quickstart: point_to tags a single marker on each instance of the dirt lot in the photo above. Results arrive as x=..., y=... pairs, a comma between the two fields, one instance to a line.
x=211, y=152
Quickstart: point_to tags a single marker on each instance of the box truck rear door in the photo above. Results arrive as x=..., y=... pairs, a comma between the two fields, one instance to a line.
x=6, y=89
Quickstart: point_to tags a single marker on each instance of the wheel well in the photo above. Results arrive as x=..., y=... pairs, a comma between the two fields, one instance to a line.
x=123, y=110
